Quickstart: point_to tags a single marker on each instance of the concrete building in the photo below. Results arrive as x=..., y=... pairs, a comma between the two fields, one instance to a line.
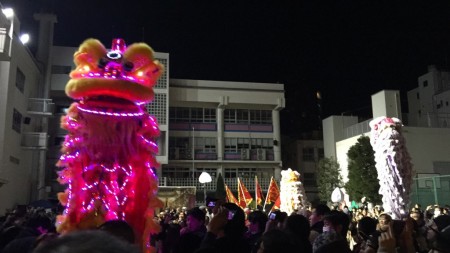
x=232, y=128
x=427, y=143
x=303, y=155
x=24, y=110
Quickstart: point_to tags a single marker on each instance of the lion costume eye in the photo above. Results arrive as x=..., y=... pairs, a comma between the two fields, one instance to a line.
x=114, y=55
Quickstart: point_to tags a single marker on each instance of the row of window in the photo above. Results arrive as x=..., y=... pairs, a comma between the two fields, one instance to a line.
x=308, y=154
x=208, y=144
x=208, y=115
x=194, y=115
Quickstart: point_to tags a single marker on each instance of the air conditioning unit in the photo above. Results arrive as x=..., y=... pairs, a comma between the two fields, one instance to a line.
x=261, y=154
x=245, y=154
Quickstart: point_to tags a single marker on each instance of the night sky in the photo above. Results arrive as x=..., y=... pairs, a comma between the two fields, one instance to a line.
x=348, y=50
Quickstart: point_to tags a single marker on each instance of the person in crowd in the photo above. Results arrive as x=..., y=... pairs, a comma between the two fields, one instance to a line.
x=192, y=235
x=335, y=227
x=297, y=229
x=441, y=243
x=21, y=236
x=276, y=220
x=87, y=241
x=275, y=241
x=225, y=231
x=365, y=230
x=257, y=224
x=316, y=221
x=120, y=229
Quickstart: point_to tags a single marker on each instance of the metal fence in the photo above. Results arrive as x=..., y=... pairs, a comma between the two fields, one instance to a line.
x=231, y=182
x=431, y=190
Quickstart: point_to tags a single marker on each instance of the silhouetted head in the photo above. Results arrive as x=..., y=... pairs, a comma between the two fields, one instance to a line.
x=120, y=229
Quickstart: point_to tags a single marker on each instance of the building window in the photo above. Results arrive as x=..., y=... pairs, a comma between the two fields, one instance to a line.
x=309, y=179
x=193, y=115
x=418, y=95
x=308, y=154
x=242, y=116
x=425, y=83
x=210, y=115
x=14, y=160
x=260, y=117
x=196, y=115
x=235, y=144
x=446, y=103
x=205, y=145
x=229, y=116
x=17, y=121
x=20, y=80
x=177, y=172
x=230, y=145
x=321, y=153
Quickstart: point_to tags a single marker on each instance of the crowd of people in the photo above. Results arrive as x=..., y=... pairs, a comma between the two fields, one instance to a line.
x=226, y=227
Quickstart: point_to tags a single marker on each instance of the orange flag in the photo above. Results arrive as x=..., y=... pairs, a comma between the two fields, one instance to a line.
x=244, y=196
x=258, y=192
x=230, y=197
x=273, y=193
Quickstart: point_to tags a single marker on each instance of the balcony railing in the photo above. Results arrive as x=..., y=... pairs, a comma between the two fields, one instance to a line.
x=230, y=182
x=40, y=106
x=33, y=140
x=357, y=129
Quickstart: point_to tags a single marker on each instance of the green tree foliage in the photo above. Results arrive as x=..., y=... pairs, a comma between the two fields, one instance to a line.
x=329, y=177
x=362, y=173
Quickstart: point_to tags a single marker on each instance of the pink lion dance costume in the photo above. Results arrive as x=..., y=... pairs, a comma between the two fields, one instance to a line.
x=108, y=156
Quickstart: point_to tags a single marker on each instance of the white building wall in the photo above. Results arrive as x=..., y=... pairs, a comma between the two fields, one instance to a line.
x=386, y=103
x=414, y=107
x=333, y=131
x=16, y=166
x=427, y=145
x=342, y=148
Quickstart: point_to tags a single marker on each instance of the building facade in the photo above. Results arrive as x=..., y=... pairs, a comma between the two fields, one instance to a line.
x=428, y=144
x=231, y=128
x=24, y=111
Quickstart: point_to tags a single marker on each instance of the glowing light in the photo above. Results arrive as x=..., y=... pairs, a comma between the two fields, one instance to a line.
x=86, y=68
x=24, y=38
x=140, y=73
x=8, y=12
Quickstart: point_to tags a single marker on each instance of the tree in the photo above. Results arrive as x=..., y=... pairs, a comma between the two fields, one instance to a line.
x=329, y=177
x=362, y=173
x=220, y=193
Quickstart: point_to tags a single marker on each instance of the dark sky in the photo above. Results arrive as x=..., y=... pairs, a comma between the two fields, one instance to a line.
x=348, y=50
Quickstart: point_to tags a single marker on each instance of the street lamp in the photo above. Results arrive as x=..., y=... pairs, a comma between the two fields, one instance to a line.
x=203, y=179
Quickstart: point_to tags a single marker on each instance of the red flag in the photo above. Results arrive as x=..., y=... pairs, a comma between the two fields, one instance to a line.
x=258, y=192
x=230, y=197
x=277, y=204
x=244, y=196
x=273, y=193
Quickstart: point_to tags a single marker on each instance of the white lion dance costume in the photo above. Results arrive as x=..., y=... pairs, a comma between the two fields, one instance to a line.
x=292, y=192
x=393, y=165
